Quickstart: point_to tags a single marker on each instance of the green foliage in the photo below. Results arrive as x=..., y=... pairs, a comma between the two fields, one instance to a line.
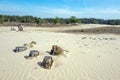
x=56, y=20
x=43, y=21
x=72, y=19
x=1, y=19
x=82, y=30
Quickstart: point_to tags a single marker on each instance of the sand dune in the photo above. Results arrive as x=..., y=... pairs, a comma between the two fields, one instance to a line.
x=90, y=57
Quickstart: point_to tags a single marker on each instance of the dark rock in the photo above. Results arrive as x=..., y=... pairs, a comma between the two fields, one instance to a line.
x=20, y=49
x=47, y=62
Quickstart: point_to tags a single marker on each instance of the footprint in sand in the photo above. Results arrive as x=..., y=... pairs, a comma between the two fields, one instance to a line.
x=112, y=38
x=86, y=45
x=58, y=64
x=99, y=38
x=84, y=37
x=94, y=38
x=105, y=38
x=98, y=57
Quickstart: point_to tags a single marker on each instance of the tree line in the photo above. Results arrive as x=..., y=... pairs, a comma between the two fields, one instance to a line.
x=56, y=20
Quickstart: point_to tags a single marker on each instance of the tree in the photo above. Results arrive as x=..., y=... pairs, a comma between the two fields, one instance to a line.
x=1, y=19
x=57, y=20
x=43, y=21
x=73, y=19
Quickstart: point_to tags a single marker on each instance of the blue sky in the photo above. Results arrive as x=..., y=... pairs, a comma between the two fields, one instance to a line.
x=106, y=9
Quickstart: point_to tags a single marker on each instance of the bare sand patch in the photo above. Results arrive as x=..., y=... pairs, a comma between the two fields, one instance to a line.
x=90, y=57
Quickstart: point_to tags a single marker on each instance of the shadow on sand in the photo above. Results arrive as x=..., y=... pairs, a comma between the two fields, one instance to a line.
x=40, y=64
x=100, y=30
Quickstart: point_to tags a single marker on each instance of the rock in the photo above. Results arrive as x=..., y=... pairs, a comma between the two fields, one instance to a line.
x=47, y=62
x=56, y=50
x=34, y=53
x=20, y=49
x=20, y=27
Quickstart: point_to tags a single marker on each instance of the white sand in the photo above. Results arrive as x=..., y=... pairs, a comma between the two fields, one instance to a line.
x=90, y=57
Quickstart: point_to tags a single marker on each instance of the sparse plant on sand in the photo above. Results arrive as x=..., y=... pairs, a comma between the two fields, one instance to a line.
x=82, y=30
x=30, y=45
x=33, y=42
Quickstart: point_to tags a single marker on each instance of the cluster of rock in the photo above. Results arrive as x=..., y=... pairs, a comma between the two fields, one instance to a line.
x=48, y=60
x=20, y=28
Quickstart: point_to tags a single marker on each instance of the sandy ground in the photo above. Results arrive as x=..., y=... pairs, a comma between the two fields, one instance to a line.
x=94, y=53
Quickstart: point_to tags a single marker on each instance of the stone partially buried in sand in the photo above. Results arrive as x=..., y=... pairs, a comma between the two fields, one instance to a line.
x=20, y=27
x=47, y=62
x=20, y=49
x=33, y=53
x=56, y=50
